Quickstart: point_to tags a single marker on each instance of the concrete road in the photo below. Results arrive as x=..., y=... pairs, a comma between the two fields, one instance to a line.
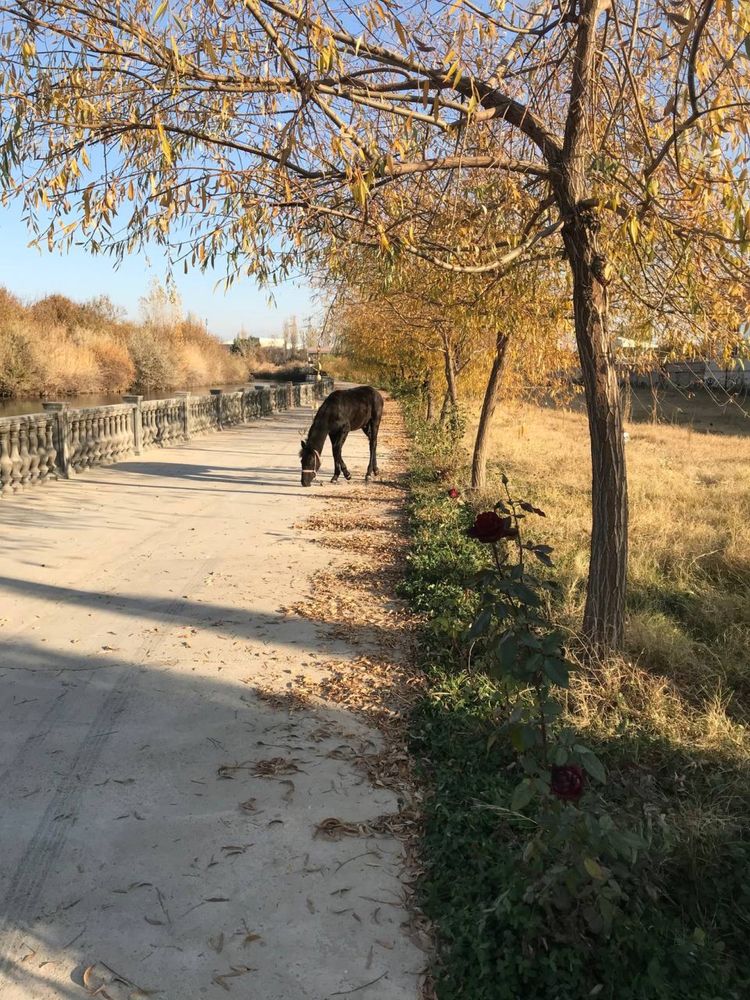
x=139, y=607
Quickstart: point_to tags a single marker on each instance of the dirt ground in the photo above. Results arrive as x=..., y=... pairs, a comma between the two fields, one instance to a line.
x=204, y=671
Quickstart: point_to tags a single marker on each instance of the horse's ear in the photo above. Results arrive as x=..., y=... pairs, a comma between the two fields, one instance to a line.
x=304, y=443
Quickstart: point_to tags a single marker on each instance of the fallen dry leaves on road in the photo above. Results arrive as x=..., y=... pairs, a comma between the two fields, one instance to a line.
x=357, y=602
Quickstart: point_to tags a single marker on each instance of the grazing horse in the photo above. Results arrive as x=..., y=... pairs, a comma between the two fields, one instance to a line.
x=343, y=411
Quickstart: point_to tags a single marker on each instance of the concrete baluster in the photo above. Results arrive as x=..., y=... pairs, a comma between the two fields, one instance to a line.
x=40, y=426
x=87, y=439
x=50, y=450
x=123, y=434
x=126, y=432
x=33, y=437
x=58, y=438
x=76, y=441
x=218, y=395
x=118, y=449
x=99, y=453
x=110, y=435
x=109, y=440
x=94, y=435
x=117, y=436
x=99, y=439
x=136, y=421
x=6, y=465
x=187, y=429
x=113, y=420
x=23, y=451
x=15, y=456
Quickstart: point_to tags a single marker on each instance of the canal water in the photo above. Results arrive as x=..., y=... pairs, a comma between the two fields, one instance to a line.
x=17, y=407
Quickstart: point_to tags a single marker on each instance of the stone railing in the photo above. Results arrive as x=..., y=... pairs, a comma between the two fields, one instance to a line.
x=28, y=450
x=64, y=442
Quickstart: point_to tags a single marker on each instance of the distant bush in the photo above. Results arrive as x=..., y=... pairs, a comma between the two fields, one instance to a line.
x=292, y=371
x=56, y=346
x=115, y=364
x=18, y=368
x=67, y=365
x=155, y=364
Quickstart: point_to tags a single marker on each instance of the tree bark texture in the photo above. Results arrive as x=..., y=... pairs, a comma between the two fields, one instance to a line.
x=444, y=409
x=429, y=400
x=479, y=460
x=450, y=376
x=604, y=617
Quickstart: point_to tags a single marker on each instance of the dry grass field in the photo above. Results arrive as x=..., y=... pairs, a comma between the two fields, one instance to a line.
x=688, y=634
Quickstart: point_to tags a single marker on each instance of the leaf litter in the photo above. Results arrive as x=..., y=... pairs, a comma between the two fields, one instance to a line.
x=357, y=603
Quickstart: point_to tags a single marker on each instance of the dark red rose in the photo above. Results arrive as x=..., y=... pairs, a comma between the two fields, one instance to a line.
x=567, y=782
x=490, y=527
x=453, y=493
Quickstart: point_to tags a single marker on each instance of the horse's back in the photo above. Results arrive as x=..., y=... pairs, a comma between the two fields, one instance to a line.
x=354, y=407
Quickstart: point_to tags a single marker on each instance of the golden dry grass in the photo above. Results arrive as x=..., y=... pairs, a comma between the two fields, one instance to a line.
x=685, y=676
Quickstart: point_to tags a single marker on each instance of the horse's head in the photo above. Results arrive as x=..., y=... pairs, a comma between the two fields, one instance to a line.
x=310, y=463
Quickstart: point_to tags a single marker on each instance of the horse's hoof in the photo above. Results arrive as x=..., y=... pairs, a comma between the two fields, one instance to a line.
x=347, y=476
x=335, y=479
x=367, y=478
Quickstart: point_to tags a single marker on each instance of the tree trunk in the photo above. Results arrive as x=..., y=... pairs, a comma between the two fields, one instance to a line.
x=627, y=400
x=450, y=376
x=444, y=409
x=479, y=461
x=430, y=401
x=604, y=617
x=449, y=414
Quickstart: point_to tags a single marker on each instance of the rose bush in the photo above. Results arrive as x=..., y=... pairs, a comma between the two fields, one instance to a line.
x=577, y=860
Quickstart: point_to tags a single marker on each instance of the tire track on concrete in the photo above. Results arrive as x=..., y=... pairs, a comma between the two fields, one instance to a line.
x=108, y=592
x=48, y=840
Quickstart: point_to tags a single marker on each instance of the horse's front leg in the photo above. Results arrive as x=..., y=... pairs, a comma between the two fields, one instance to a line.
x=336, y=449
x=347, y=474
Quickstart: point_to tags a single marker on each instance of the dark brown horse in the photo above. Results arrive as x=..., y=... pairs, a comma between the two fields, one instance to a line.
x=343, y=411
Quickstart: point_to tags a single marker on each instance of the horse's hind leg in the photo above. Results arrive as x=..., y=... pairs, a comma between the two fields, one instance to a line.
x=367, y=431
x=372, y=434
x=336, y=449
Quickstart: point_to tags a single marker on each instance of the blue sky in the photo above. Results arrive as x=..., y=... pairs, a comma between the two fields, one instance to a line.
x=30, y=273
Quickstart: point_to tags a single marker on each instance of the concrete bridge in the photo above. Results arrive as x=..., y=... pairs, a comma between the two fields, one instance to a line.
x=139, y=607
